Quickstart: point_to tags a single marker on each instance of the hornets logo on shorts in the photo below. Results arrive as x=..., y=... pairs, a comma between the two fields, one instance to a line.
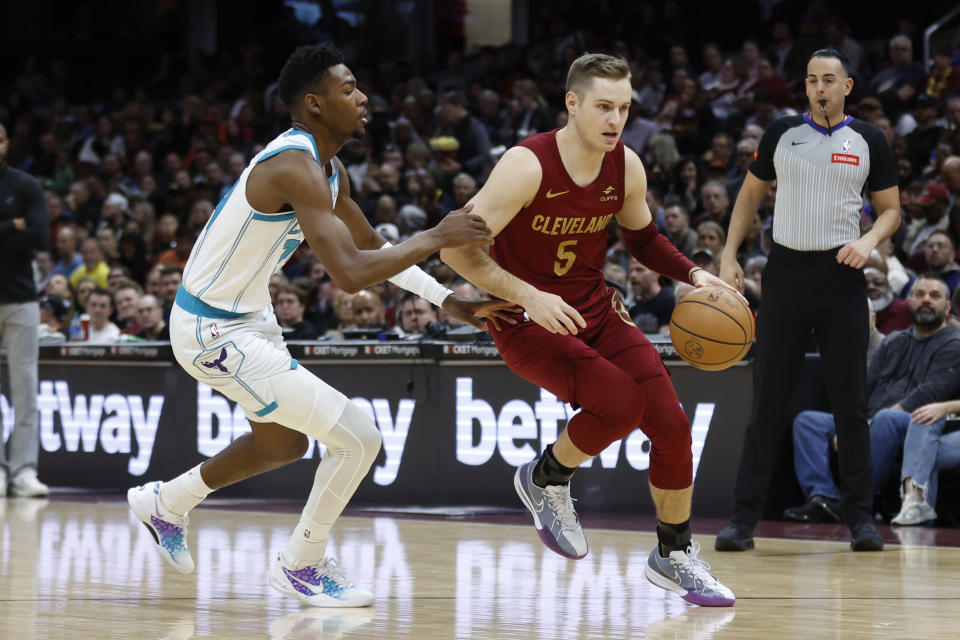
x=223, y=360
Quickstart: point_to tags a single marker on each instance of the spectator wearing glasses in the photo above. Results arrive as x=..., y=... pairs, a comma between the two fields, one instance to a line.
x=150, y=317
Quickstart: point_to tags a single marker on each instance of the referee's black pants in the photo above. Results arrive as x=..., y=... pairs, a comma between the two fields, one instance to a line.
x=804, y=290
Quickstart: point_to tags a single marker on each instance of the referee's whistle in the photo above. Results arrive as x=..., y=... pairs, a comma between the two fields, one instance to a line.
x=823, y=105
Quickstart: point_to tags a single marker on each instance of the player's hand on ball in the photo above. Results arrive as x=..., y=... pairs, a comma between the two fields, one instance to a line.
x=553, y=314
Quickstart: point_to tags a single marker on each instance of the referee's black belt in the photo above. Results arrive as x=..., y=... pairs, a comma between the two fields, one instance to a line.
x=780, y=251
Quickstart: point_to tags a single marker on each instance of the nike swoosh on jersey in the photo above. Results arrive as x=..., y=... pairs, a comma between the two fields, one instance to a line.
x=795, y=143
x=550, y=194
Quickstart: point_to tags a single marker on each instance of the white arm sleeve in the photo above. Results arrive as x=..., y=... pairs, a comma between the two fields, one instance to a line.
x=421, y=283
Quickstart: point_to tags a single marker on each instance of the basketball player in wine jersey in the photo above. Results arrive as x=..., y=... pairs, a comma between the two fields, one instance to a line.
x=548, y=202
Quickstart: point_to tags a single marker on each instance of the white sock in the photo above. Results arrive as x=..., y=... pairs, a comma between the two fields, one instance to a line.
x=184, y=492
x=307, y=545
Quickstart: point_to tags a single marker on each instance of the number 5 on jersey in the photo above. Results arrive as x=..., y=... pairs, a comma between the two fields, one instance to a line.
x=566, y=258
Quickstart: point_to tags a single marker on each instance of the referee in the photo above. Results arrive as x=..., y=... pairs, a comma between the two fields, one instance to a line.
x=813, y=281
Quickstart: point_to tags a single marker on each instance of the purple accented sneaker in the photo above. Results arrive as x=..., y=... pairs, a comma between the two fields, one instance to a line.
x=319, y=585
x=553, y=514
x=689, y=577
x=168, y=529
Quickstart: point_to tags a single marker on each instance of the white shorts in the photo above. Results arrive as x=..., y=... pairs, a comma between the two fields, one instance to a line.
x=246, y=360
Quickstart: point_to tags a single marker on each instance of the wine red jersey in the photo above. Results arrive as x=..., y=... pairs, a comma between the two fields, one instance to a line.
x=559, y=243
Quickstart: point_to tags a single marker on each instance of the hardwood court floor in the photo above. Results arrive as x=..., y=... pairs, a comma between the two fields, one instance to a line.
x=86, y=570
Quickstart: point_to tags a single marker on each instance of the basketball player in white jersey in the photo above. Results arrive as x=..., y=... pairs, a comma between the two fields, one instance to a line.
x=224, y=332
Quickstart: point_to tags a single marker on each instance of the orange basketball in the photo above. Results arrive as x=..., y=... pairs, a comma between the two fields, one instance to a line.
x=711, y=328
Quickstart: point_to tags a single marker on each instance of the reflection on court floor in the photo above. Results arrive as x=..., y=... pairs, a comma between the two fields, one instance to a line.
x=89, y=570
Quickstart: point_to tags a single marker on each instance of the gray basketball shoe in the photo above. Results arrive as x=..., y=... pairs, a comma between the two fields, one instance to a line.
x=689, y=577
x=553, y=514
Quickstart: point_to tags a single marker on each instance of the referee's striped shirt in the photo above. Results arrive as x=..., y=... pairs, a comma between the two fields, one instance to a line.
x=820, y=176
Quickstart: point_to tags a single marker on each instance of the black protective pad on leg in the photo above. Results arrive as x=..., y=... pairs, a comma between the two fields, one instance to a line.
x=673, y=537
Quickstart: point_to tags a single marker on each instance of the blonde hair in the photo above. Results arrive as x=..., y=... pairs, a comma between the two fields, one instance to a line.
x=595, y=65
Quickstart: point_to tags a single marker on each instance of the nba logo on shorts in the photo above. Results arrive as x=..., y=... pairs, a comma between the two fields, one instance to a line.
x=847, y=143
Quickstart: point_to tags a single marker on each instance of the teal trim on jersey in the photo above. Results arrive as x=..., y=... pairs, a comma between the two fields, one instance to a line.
x=336, y=174
x=267, y=409
x=233, y=250
x=192, y=304
x=236, y=301
x=223, y=201
x=293, y=363
x=294, y=132
x=275, y=217
x=276, y=151
x=312, y=141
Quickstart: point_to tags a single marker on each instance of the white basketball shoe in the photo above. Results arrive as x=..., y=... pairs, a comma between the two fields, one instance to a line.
x=319, y=585
x=168, y=529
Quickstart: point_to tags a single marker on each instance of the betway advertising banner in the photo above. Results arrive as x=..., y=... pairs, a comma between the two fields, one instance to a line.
x=453, y=432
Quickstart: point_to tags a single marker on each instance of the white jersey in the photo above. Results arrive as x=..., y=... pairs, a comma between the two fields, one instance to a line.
x=240, y=248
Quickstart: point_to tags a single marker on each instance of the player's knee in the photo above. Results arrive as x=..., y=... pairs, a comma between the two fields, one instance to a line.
x=671, y=447
x=365, y=439
x=370, y=440
x=666, y=425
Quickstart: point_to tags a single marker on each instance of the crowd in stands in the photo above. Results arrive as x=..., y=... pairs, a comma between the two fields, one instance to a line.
x=130, y=181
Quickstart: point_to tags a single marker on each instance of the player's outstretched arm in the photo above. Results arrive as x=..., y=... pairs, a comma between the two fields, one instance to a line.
x=298, y=180
x=512, y=185
x=413, y=278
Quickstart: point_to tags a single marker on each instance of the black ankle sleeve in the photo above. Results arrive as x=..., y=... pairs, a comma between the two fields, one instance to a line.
x=673, y=537
x=549, y=471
